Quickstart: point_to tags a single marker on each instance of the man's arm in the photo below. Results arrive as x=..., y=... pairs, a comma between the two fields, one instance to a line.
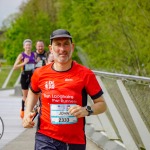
x=31, y=101
x=98, y=107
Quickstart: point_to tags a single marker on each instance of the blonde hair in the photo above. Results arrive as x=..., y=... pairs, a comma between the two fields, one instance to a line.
x=27, y=40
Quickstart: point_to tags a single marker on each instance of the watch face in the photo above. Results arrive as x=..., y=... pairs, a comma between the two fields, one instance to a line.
x=88, y=108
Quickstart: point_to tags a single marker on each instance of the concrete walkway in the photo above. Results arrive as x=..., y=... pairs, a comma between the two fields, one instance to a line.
x=9, y=112
x=15, y=136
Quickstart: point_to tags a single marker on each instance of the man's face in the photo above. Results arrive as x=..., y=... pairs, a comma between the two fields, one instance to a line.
x=62, y=49
x=40, y=47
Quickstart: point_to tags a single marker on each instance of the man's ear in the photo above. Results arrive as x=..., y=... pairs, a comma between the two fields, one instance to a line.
x=73, y=46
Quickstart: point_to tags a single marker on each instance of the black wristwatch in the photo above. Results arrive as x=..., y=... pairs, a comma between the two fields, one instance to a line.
x=89, y=109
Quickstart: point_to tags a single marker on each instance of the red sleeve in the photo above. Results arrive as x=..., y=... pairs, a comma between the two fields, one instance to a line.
x=93, y=88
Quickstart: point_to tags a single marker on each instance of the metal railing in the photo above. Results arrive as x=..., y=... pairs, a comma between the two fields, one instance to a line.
x=127, y=119
x=122, y=76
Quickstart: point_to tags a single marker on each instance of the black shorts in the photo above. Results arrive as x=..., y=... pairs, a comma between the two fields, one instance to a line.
x=48, y=143
x=25, y=79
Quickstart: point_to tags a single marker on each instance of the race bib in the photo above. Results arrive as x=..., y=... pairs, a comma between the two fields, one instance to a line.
x=39, y=64
x=60, y=114
x=29, y=67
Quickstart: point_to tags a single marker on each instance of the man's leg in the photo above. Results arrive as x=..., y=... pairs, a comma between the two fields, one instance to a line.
x=43, y=142
x=77, y=146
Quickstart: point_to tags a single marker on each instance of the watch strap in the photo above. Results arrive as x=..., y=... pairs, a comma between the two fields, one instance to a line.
x=89, y=110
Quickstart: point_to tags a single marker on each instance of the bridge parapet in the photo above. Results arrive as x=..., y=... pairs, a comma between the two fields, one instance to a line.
x=126, y=124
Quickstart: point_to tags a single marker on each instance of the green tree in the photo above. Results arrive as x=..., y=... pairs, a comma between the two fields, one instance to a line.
x=109, y=35
x=33, y=22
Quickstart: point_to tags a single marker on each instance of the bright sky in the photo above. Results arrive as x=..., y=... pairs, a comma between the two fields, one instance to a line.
x=8, y=7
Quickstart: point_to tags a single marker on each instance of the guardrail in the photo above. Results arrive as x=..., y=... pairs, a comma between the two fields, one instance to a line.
x=125, y=125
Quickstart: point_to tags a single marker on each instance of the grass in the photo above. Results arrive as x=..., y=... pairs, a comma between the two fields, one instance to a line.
x=3, y=75
x=4, y=72
x=13, y=78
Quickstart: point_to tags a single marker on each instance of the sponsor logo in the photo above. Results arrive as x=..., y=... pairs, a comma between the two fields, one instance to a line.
x=49, y=85
x=68, y=79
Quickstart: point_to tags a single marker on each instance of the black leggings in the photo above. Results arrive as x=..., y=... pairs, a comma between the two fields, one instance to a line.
x=25, y=80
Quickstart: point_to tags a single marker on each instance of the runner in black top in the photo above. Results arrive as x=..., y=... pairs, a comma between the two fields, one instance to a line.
x=40, y=54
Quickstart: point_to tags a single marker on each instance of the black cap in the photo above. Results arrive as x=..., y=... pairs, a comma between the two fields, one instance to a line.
x=60, y=33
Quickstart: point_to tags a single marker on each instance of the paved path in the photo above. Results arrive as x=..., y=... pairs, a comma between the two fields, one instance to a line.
x=9, y=112
x=15, y=136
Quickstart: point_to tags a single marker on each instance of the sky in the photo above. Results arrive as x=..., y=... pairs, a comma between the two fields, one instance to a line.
x=8, y=7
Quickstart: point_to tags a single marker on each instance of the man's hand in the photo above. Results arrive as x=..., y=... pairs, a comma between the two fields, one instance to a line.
x=78, y=111
x=38, y=59
x=28, y=120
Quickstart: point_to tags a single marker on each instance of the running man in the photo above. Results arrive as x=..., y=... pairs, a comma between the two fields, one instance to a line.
x=64, y=86
x=40, y=54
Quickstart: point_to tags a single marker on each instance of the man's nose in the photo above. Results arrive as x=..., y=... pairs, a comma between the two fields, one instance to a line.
x=62, y=47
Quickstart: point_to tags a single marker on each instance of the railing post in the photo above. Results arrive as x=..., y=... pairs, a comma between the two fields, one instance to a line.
x=142, y=129
x=121, y=126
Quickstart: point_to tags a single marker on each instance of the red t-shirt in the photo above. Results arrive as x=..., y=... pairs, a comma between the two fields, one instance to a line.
x=60, y=90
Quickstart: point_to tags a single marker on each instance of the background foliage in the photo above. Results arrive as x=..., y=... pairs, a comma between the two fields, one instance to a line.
x=110, y=35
